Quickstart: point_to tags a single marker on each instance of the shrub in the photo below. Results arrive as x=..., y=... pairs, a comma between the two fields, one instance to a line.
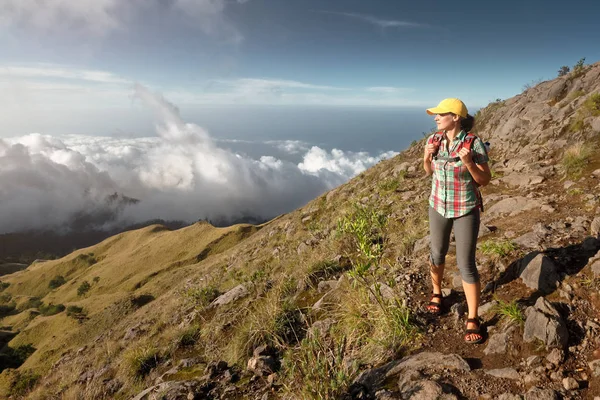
x=319, y=369
x=564, y=70
x=531, y=84
x=56, y=282
x=591, y=105
x=579, y=67
x=189, y=336
x=34, y=302
x=141, y=300
x=501, y=248
x=202, y=297
x=510, y=311
x=140, y=361
x=23, y=383
x=76, y=312
x=3, y=285
x=575, y=159
x=390, y=185
x=83, y=288
x=15, y=357
x=96, y=279
x=51, y=309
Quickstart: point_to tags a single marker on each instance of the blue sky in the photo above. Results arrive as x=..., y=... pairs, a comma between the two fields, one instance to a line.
x=229, y=108
x=88, y=53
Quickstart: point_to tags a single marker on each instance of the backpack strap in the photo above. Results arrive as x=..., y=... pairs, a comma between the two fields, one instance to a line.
x=466, y=143
x=436, y=139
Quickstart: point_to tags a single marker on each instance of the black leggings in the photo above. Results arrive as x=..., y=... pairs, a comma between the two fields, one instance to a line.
x=466, y=229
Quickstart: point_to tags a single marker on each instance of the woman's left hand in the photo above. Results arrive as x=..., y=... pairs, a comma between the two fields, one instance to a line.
x=465, y=156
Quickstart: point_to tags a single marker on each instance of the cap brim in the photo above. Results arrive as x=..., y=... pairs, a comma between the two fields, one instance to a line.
x=435, y=110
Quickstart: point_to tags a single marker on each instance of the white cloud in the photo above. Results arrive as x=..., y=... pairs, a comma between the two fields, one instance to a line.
x=180, y=174
x=387, y=89
x=101, y=17
x=381, y=23
x=42, y=71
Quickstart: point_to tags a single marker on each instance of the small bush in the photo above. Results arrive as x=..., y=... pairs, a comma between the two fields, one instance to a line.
x=591, y=105
x=390, y=185
x=23, y=383
x=575, y=160
x=500, y=248
x=189, y=336
x=56, y=282
x=51, y=309
x=34, y=302
x=15, y=357
x=83, y=288
x=140, y=361
x=202, y=297
x=3, y=285
x=96, y=279
x=564, y=70
x=319, y=369
x=141, y=300
x=76, y=312
x=510, y=311
x=578, y=68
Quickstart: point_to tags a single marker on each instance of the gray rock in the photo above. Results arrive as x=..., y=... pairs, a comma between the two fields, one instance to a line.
x=541, y=394
x=594, y=264
x=532, y=379
x=302, y=248
x=539, y=273
x=326, y=286
x=522, y=180
x=556, y=356
x=431, y=361
x=530, y=240
x=513, y=206
x=483, y=230
x=320, y=328
x=504, y=373
x=234, y=294
x=497, y=343
x=534, y=361
x=421, y=244
x=386, y=292
x=172, y=390
x=570, y=383
x=595, y=367
x=546, y=324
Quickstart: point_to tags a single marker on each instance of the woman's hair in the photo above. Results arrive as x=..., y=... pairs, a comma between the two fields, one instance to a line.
x=467, y=123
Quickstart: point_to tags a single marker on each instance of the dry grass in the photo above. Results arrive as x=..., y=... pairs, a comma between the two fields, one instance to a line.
x=575, y=159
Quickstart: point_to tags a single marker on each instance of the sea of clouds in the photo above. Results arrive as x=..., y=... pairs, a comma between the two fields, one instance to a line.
x=182, y=173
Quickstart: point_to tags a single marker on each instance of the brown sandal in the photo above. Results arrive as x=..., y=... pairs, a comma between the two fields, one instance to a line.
x=434, y=308
x=475, y=331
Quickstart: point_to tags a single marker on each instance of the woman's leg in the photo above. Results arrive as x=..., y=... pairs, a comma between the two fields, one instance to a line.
x=439, y=234
x=466, y=229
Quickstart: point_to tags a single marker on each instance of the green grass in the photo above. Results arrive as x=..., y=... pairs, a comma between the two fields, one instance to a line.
x=576, y=94
x=140, y=361
x=510, y=311
x=51, y=309
x=323, y=270
x=189, y=336
x=592, y=105
x=575, y=192
x=319, y=369
x=201, y=297
x=500, y=248
x=23, y=382
x=390, y=185
x=3, y=285
x=575, y=159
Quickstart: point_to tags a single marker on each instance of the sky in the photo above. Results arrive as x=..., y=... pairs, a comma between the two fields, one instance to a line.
x=143, y=97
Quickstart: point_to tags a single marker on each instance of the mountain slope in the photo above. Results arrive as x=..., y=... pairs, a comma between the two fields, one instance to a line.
x=352, y=262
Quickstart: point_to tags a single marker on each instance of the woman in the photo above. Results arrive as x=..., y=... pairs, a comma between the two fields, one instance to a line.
x=455, y=202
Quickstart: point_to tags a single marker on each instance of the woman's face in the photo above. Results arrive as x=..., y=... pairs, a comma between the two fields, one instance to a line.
x=446, y=121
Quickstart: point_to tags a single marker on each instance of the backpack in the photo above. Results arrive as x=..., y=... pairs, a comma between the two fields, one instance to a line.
x=436, y=139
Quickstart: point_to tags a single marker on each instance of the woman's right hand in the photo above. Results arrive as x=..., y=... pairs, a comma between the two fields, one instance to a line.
x=430, y=150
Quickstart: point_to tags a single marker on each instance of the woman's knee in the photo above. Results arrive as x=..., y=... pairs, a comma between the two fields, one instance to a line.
x=469, y=275
x=437, y=257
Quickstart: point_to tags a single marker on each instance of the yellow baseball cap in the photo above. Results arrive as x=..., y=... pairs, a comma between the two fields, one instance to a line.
x=454, y=106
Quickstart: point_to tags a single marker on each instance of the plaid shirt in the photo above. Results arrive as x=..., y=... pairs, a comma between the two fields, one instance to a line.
x=453, y=189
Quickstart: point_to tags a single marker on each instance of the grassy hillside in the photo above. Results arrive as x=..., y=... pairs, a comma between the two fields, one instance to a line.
x=333, y=288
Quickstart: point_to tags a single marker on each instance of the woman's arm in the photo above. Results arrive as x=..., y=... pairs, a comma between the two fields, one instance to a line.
x=480, y=172
x=430, y=150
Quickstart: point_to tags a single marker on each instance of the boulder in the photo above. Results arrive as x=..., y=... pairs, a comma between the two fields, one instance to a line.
x=539, y=272
x=504, y=373
x=424, y=390
x=232, y=295
x=545, y=323
x=513, y=206
x=497, y=343
x=541, y=394
x=595, y=367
